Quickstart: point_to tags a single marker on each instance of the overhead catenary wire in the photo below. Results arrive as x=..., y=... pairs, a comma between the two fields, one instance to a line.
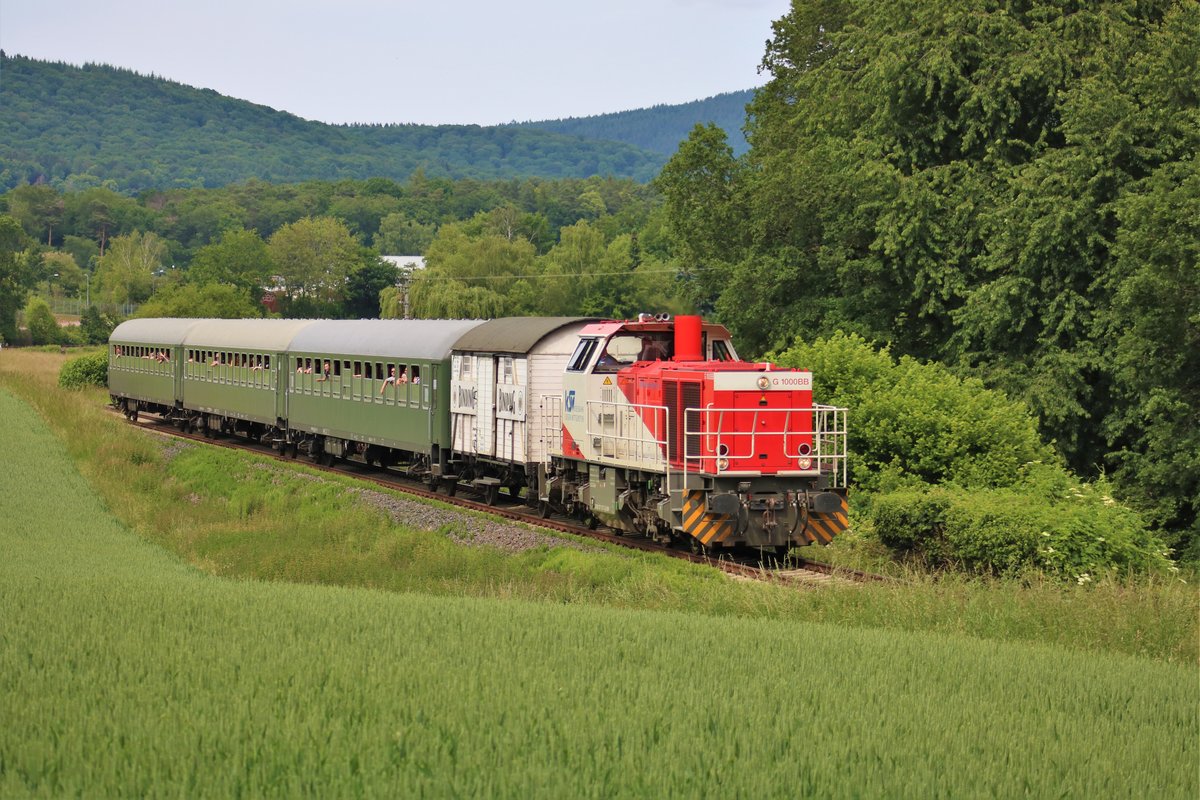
x=574, y=275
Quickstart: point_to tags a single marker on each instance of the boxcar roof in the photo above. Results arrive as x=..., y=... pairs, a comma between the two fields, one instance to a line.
x=512, y=334
x=270, y=335
x=152, y=331
x=387, y=338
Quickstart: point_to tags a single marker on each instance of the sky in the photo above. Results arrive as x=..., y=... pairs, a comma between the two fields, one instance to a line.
x=432, y=62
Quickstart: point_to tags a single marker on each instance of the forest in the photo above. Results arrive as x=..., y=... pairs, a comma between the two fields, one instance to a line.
x=82, y=127
x=965, y=200
x=660, y=128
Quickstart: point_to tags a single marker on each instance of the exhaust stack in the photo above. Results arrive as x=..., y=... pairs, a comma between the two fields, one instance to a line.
x=688, y=340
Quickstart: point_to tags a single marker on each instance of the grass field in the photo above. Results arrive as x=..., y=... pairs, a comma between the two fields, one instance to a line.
x=125, y=669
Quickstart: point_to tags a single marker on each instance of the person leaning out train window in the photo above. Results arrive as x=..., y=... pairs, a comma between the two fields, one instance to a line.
x=325, y=370
x=390, y=379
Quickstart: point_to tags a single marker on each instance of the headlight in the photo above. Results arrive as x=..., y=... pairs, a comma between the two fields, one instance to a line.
x=764, y=382
x=722, y=464
x=804, y=463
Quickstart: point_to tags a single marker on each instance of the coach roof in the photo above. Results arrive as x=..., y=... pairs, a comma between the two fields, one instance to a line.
x=512, y=334
x=152, y=331
x=267, y=335
x=429, y=339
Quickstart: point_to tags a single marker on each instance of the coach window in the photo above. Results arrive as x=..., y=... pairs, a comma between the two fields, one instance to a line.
x=414, y=384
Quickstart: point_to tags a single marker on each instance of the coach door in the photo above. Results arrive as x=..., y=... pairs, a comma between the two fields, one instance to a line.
x=511, y=380
x=485, y=414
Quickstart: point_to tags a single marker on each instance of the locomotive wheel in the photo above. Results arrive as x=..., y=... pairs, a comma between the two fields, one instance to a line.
x=544, y=509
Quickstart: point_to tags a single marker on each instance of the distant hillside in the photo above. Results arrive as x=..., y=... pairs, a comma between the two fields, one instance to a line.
x=82, y=126
x=661, y=128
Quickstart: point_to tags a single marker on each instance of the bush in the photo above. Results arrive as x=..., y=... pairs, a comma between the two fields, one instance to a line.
x=955, y=473
x=90, y=370
x=1065, y=528
x=914, y=423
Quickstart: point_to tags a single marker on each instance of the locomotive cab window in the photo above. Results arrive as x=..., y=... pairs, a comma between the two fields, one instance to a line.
x=721, y=352
x=583, y=354
x=620, y=351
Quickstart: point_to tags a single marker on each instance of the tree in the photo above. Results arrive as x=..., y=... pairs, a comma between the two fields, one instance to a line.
x=239, y=258
x=470, y=274
x=124, y=272
x=700, y=185
x=400, y=235
x=102, y=212
x=39, y=208
x=1154, y=325
x=364, y=285
x=208, y=301
x=314, y=257
x=70, y=280
x=94, y=327
x=955, y=179
x=43, y=327
x=17, y=274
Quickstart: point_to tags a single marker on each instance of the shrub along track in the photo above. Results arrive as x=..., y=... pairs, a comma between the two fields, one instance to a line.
x=794, y=572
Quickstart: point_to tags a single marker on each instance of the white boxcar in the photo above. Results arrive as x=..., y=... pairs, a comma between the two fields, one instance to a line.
x=499, y=373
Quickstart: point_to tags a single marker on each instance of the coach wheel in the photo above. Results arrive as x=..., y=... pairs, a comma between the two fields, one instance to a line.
x=492, y=495
x=451, y=488
x=592, y=522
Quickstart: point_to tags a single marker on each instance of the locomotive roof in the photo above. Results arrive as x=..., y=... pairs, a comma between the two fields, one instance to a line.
x=388, y=338
x=260, y=334
x=512, y=334
x=152, y=331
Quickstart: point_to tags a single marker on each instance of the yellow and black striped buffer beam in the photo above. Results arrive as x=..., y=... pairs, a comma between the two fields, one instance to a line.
x=821, y=528
x=708, y=528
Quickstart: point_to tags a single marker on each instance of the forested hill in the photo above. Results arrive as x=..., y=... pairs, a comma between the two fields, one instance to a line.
x=661, y=128
x=76, y=127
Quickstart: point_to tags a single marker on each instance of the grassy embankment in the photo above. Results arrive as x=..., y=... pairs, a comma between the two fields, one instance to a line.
x=235, y=514
x=125, y=671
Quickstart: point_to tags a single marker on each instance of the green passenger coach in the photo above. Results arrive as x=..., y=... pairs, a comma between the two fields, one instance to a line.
x=379, y=387
x=233, y=368
x=143, y=359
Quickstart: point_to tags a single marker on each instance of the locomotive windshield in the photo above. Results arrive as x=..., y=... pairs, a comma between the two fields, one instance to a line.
x=627, y=348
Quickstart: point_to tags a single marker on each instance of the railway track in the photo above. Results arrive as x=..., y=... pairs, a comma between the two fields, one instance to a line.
x=796, y=572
